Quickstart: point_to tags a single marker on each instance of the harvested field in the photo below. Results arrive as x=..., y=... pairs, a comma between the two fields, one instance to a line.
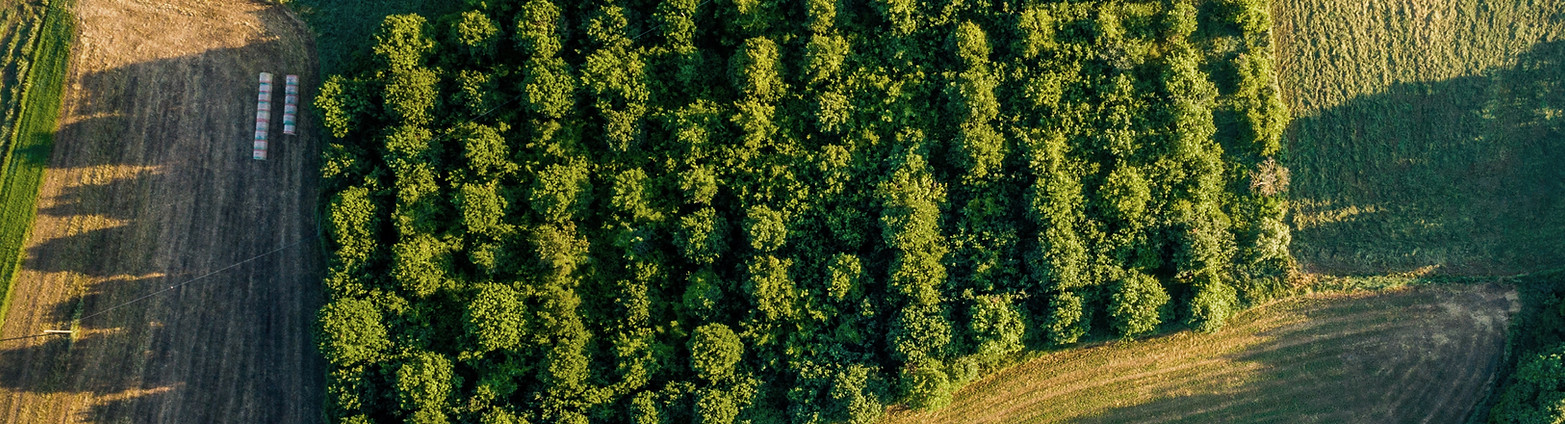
x=150, y=185
x=1422, y=354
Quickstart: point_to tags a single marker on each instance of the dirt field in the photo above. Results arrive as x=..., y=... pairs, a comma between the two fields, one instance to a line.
x=151, y=185
x=1424, y=354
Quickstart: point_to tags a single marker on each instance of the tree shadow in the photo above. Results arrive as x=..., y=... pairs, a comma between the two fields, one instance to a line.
x=1378, y=358
x=1462, y=175
x=153, y=186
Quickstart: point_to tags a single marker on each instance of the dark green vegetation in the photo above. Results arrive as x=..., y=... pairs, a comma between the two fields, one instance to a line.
x=1535, y=390
x=688, y=211
x=345, y=29
x=26, y=152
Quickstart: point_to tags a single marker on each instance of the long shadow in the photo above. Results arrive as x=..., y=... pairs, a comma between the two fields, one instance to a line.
x=1383, y=358
x=154, y=186
x=1463, y=175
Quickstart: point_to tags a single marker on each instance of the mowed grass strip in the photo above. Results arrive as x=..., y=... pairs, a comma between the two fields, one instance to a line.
x=32, y=141
x=1427, y=133
x=1405, y=355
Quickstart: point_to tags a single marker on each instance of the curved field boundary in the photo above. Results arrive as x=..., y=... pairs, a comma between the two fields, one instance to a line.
x=1422, y=354
x=32, y=140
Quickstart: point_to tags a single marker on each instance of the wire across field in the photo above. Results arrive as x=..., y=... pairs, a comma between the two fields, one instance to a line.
x=1422, y=354
x=150, y=185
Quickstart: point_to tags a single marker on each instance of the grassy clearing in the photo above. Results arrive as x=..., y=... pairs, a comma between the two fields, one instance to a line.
x=32, y=140
x=1416, y=353
x=1426, y=134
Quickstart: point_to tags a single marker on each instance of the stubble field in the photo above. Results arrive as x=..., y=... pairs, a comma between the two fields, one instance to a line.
x=150, y=185
x=1421, y=354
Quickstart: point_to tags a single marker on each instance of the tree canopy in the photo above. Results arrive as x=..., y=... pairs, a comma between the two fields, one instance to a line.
x=764, y=211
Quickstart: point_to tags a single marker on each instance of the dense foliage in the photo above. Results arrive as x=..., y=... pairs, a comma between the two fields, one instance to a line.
x=1535, y=390
x=768, y=211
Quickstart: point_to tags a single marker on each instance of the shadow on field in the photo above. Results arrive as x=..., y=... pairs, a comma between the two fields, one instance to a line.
x=54, y=356
x=1464, y=175
x=1382, y=358
x=153, y=185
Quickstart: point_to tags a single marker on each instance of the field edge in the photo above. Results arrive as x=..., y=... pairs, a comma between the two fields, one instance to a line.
x=32, y=139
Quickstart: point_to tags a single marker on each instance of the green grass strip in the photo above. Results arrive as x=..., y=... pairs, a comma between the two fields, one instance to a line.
x=32, y=141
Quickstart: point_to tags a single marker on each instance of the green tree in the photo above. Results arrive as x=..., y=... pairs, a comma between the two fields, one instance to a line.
x=925, y=386
x=713, y=406
x=483, y=209
x=485, y=151
x=1136, y=307
x=351, y=332
x=425, y=382
x=343, y=103
x=402, y=43
x=765, y=228
x=1124, y=196
x=1537, y=392
x=700, y=236
x=1067, y=318
x=714, y=350
x=411, y=95
x=770, y=289
x=420, y=264
x=996, y=326
x=1212, y=305
x=561, y=191
x=494, y=317
x=474, y=31
x=354, y=226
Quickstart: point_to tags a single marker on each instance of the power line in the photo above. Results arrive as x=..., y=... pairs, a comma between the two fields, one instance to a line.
x=192, y=280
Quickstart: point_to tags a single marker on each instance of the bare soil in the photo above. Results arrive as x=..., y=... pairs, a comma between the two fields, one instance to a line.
x=151, y=185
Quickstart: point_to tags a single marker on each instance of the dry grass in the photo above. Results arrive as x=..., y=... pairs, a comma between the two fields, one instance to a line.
x=1423, y=354
x=150, y=184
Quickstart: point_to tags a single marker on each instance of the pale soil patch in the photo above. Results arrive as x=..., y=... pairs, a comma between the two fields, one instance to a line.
x=150, y=185
x=1424, y=354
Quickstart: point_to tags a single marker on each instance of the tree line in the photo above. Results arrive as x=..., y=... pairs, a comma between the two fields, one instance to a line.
x=767, y=211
